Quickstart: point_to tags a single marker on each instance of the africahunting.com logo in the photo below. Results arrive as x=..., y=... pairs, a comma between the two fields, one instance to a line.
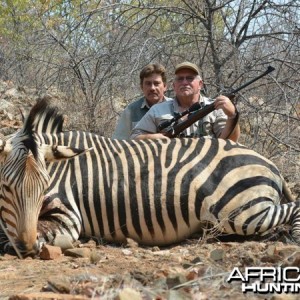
x=265, y=280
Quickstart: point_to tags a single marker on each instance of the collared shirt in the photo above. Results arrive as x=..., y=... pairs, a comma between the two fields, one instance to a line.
x=211, y=125
x=131, y=115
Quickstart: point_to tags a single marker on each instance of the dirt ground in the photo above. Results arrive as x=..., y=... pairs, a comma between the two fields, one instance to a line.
x=194, y=269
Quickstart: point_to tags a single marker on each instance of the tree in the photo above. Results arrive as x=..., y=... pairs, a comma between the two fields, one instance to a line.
x=93, y=52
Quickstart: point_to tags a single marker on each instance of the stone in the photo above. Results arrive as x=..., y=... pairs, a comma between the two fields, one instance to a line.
x=285, y=250
x=78, y=252
x=131, y=243
x=126, y=252
x=59, y=284
x=63, y=241
x=175, y=279
x=46, y=296
x=13, y=92
x=217, y=254
x=129, y=294
x=49, y=252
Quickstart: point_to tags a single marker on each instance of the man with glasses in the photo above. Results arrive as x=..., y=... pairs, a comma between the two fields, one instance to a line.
x=220, y=123
x=153, y=84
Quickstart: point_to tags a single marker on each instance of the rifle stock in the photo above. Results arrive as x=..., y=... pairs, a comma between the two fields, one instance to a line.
x=195, y=116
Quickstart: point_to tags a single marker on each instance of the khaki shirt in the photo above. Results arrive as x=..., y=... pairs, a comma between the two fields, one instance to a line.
x=211, y=125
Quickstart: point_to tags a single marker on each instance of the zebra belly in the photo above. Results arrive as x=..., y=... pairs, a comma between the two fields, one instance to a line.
x=153, y=229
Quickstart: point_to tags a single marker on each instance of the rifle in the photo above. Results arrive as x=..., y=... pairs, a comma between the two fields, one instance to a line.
x=195, y=112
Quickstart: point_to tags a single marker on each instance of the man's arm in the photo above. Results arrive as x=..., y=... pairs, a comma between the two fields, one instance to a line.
x=146, y=128
x=232, y=128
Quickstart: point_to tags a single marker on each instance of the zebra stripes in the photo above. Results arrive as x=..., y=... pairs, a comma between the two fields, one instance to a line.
x=156, y=192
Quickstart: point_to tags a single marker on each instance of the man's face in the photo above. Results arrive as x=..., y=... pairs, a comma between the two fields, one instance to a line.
x=186, y=83
x=153, y=88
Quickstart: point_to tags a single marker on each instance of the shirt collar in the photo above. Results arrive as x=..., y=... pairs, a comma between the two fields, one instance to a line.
x=145, y=103
x=202, y=99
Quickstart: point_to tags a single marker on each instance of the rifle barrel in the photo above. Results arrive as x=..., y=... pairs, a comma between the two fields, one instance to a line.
x=269, y=70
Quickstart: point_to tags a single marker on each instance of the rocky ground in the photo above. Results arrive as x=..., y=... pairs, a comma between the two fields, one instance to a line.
x=195, y=269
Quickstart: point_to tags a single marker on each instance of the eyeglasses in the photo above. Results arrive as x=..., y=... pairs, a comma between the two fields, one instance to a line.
x=181, y=79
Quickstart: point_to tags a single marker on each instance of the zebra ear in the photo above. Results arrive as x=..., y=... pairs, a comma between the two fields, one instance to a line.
x=58, y=153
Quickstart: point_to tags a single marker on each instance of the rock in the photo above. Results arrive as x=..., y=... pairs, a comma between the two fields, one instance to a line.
x=78, y=252
x=184, y=252
x=155, y=248
x=63, y=241
x=46, y=296
x=285, y=297
x=175, y=279
x=285, y=250
x=12, y=93
x=271, y=250
x=131, y=243
x=49, y=252
x=129, y=294
x=162, y=252
x=196, y=260
x=126, y=252
x=90, y=244
x=217, y=254
x=61, y=285
x=178, y=295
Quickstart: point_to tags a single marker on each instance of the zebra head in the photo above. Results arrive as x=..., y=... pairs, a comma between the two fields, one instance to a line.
x=24, y=177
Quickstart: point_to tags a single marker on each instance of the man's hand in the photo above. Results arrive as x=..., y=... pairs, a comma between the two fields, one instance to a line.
x=224, y=103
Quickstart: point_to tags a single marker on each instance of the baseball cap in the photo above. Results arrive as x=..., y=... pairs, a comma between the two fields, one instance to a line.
x=187, y=65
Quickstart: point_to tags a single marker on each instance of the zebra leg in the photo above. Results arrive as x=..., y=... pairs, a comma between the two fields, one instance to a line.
x=57, y=219
x=261, y=217
x=295, y=222
x=284, y=214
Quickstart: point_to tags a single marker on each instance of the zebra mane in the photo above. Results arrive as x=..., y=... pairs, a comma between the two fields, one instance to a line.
x=43, y=118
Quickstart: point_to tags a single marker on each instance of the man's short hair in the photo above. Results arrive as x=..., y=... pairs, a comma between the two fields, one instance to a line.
x=153, y=69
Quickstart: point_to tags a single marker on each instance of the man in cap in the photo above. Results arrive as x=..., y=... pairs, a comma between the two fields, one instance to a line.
x=187, y=84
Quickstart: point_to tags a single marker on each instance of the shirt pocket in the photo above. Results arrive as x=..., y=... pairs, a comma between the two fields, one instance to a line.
x=204, y=127
x=163, y=121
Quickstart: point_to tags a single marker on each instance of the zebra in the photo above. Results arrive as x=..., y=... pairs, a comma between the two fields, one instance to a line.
x=156, y=192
